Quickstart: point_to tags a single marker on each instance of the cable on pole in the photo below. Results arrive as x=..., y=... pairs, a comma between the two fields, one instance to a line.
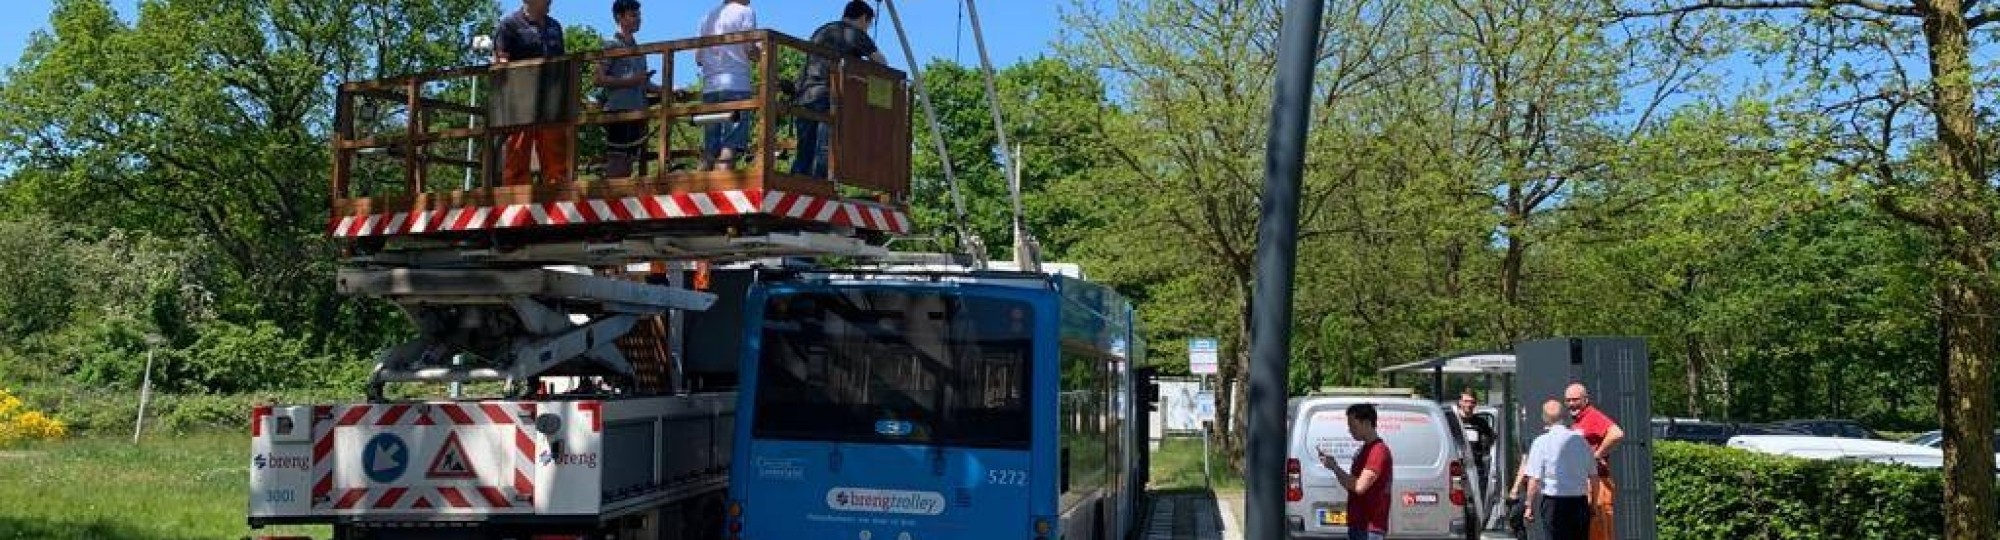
x=968, y=241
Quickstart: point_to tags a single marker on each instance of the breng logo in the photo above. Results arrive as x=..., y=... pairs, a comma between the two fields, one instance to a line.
x=847, y=499
x=587, y=459
x=275, y=461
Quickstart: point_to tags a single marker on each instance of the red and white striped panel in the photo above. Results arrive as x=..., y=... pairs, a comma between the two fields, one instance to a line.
x=519, y=493
x=322, y=452
x=628, y=209
x=430, y=498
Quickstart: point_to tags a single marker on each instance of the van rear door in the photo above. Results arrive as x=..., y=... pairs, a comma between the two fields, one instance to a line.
x=1420, y=444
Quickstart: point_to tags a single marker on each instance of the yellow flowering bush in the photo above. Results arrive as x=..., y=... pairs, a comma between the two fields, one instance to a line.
x=17, y=423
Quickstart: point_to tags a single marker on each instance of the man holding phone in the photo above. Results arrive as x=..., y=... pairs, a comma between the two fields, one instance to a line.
x=1367, y=483
x=626, y=81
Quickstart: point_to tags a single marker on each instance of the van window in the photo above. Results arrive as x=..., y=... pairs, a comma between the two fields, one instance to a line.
x=1413, y=435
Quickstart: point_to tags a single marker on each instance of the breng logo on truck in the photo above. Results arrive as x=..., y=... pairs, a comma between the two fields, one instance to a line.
x=848, y=499
x=276, y=461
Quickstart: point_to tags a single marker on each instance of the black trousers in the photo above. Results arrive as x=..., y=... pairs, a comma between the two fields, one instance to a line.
x=1566, y=518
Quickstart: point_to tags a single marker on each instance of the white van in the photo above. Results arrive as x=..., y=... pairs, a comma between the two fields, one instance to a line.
x=1429, y=498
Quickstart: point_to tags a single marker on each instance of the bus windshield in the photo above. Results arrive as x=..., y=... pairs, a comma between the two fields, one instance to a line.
x=894, y=366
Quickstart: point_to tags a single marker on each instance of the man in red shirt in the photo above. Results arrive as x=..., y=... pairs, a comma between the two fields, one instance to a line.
x=1603, y=434
x=1367, y=484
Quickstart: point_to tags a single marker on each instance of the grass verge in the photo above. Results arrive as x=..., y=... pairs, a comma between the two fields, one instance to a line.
x=1177, y=465
x=165, y=488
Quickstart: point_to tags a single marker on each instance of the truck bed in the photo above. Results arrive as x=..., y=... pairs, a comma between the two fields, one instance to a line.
x=582, y=460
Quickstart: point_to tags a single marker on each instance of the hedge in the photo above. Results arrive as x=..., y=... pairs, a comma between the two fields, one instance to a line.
x=1710, y=492
x=102, y=412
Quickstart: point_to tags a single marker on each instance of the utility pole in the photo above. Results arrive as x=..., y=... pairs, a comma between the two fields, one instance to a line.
x=1277, y=258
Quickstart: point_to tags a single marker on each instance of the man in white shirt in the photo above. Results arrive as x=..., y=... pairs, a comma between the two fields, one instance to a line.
x=1558, y=470
x=725, y=77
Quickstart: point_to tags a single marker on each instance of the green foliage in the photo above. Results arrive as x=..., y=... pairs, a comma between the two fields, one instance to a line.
x=1713, y=492
x=34, y=265
x=1055, y=110
x=111, y=410
x=231, y=358
x=203, y=121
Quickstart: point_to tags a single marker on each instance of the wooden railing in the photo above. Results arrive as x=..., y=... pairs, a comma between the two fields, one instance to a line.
x=393, y=136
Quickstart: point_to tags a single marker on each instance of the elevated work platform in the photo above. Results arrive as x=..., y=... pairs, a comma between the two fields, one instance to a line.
x=418, y=159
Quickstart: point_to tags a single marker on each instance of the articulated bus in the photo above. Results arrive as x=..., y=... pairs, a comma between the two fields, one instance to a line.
x=926, y=405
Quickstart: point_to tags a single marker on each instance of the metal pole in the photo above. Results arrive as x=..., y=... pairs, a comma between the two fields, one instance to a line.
x=145, y=392
x=470, y=143
x=937, y=137
x=1207, y=429
x=1205, y=475
x=993, y=100
x=1277, y=250
x=676, y=325
x=1025, y=256
x=481, y=44
x=458, y=388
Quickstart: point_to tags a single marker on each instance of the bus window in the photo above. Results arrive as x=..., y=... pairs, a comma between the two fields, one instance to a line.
x=890, y=366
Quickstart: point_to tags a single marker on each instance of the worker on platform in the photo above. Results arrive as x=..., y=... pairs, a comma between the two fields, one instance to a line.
x=725, y=77
x=526, y=34
x=848, y=38
x=626, y=80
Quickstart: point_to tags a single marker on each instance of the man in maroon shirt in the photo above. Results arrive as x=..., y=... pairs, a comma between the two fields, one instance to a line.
x=1367, y=484
x=1603, y=434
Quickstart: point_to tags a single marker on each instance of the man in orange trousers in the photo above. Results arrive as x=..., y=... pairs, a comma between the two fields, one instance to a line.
x=531, y=33
x=1603, y=434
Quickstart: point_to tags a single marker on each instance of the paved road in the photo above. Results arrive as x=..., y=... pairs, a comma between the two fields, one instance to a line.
x=1189, y=515
x=1199, y=515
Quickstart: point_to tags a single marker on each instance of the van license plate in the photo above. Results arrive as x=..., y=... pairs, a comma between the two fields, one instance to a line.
x=1332, y=517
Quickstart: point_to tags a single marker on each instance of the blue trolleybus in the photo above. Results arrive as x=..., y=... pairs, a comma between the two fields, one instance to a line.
x=932, y=405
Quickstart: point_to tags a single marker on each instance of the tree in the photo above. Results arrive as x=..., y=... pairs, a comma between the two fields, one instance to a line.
x=1055, y=111
x=1853, y=59
x=34, y=268
x=206, y=121
x=1195, y=78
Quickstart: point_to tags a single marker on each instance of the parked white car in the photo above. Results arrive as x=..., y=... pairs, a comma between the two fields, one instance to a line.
x=1812, y=447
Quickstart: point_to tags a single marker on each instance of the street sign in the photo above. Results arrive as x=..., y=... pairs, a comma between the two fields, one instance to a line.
x=1202, y=356
x=1204, y=406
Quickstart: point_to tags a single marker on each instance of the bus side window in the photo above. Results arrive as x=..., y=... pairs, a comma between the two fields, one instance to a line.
x=1065, y=470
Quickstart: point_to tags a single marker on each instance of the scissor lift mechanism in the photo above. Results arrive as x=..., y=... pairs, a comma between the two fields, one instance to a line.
x=518, y=320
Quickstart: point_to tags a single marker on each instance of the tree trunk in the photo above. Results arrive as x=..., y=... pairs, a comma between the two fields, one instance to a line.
x=1230, y=384
x=1965, y=217
x=1454, y=260
x=1510, y=279
x=1697, y=356
x=1967, y=407
x=1697, y=367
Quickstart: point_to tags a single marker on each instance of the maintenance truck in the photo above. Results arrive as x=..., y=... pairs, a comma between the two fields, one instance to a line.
x=582, y=310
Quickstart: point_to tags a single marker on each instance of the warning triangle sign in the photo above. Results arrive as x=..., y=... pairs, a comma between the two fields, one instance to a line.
x=450, y=461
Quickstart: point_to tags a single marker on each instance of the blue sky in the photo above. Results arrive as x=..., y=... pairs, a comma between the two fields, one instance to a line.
x=1015, y=29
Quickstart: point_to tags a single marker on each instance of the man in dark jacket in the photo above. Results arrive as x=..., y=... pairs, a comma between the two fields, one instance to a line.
x=848, y=38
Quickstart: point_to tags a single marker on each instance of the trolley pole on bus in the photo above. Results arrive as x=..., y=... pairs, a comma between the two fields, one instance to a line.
x=1277, y=247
